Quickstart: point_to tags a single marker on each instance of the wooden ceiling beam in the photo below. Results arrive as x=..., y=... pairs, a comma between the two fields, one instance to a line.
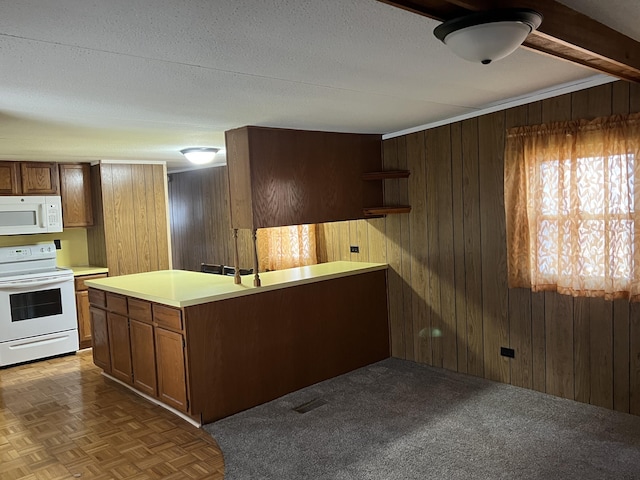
x=436, y=9
x=564, y=32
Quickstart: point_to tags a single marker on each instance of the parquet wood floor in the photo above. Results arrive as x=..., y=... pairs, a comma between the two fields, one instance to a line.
x=61, y=419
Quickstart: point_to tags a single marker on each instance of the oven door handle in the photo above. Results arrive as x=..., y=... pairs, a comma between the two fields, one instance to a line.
x=25, y=284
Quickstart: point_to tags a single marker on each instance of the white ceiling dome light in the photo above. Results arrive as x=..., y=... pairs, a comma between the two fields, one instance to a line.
x=200, y=155
x=488, y=36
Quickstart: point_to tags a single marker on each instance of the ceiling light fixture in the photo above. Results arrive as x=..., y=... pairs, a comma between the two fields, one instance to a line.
x=200, y=155
x=488, y=36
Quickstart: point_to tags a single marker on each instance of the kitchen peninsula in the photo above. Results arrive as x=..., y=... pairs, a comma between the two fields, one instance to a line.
x=208, y=348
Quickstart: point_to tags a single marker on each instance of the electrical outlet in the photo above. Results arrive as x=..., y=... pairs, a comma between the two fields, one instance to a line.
x=354, y=249
x=507, y=352
x=57, y=244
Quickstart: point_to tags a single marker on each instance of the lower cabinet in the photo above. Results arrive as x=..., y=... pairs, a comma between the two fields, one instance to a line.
x=119, y=346
x=143, y=357
x=143, y=346
x=84, y=319
x=172, y=379
x=82, y=308
x=100, y=335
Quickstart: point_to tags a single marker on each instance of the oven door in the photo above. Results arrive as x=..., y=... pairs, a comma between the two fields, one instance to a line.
x=36, y=306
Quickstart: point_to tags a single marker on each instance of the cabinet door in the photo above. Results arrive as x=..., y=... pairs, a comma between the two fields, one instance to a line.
x=9, y=178
x=119, y=346
x=172, y=379
x=75, y=190
x=325, y=167
x=100, y=337
x=143, y=360
x=39, y=178
x=84, y=319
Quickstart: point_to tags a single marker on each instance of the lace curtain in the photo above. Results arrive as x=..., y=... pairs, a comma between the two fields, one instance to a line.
x=572, y=197
x=286, y=247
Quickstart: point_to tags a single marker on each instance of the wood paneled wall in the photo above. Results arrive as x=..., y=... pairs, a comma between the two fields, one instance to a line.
x=449, y=303
x=130, y=233
x=200, y=220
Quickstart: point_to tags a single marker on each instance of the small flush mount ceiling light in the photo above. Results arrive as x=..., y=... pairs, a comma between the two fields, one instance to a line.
x=488, y=36
x=200, y=155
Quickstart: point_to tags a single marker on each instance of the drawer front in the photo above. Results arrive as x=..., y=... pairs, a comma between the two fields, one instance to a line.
x=139, y=310
x=117, y=303
x=97, y=297
x=167, y=317
x=80, y=286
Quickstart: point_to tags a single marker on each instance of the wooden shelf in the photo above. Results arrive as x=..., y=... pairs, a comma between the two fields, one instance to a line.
x=384, y=175
x=388, y=210
x=371, y=212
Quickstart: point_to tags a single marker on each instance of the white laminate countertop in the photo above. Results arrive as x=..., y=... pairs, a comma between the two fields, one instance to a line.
x=180, y=288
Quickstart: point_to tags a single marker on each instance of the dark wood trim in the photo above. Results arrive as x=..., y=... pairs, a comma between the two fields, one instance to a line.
x=385, y=175
x=564, y=33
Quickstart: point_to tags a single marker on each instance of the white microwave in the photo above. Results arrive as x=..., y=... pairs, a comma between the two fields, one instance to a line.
x=26, y=215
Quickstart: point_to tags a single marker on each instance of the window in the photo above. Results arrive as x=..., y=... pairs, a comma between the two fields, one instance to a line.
x=570, y=202
x=286, y=247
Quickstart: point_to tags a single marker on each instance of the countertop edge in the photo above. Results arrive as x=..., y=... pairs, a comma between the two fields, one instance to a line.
x=279, y=286
x=82, y=270
x=247, y=283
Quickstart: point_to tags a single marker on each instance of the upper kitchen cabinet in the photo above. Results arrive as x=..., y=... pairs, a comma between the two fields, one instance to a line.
x=75, y=190
x=28, y=178
x=71, y=181
x=9, y=178
x=283, y=177
x=130, y=230
x=39, y=178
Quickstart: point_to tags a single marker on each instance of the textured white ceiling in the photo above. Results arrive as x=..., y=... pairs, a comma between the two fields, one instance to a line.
x=141, y=79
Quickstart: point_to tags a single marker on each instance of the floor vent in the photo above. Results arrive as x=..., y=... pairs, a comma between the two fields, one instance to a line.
x=312, y=405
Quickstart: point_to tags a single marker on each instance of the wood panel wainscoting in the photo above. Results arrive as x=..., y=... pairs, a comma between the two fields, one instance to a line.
x=200, y=221
x=130, y=232
x=61, y=419
x=449, y=304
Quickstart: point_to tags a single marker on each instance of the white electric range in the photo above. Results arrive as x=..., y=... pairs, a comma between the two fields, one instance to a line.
x=37, y=305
